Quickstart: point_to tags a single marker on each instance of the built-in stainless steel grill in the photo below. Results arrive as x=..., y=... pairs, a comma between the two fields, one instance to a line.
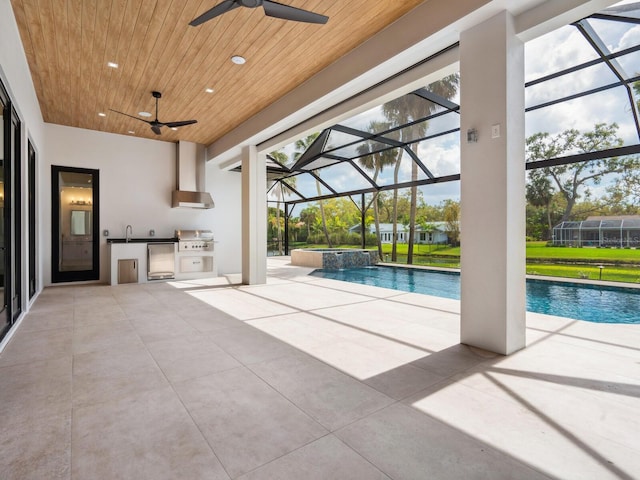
x=195, y=254
x=195, y=240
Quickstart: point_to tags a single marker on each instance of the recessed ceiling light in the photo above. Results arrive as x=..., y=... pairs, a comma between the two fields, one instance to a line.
x=238, y=60
x=131, y=132
x=174, y=128
x=208, y=90
x=101, y=114
x=144, y=114
x=112, y=64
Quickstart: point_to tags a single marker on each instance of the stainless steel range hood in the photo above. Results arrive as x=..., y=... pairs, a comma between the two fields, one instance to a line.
x=187, y=199
x=190, y=177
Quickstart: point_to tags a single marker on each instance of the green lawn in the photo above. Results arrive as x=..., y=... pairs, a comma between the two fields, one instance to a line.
x=629, y=274
x=538, y=250
x=620, y=265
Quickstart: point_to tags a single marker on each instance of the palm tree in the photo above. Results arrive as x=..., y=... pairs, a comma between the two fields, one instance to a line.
x=308, y=216
x=280, y=191
x=282, y=158
x=409, y=108
x=301, y=147
x=376, y=161
x=394, y=210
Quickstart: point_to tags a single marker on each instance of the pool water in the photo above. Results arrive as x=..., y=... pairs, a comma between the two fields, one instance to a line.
x=593, y=303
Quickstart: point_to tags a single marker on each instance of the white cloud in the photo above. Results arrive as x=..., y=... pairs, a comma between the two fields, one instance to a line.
x=583, y=113
x=569, y=46
x=630, y=38
x=441, y=156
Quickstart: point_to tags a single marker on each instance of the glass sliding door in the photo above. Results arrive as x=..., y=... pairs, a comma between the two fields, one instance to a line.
x=5, y=318
x=10, y=215
x=33, y=285
x=14, y=211
x=75, y=224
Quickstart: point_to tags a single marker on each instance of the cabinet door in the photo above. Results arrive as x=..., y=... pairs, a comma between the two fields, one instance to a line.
x=128, y=270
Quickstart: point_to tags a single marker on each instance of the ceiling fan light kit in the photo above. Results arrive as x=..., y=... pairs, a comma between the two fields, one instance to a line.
x=271, y=9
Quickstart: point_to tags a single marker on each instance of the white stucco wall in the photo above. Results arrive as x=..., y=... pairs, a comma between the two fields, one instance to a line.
x=136, y=179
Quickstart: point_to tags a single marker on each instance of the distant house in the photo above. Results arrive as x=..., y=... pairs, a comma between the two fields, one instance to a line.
x=437, y=233
x=615, y=231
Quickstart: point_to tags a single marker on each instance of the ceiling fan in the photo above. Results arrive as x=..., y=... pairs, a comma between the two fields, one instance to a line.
x=156, y=124
x=271, y=9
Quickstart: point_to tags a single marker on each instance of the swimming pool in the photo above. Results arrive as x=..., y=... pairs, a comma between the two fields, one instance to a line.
x=593, y=303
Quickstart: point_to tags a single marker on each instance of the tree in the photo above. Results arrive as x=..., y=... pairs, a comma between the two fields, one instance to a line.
x=394, y=210
x=540, y=194
x=375, y=157
x=625, y=193
x=310, y=218
x=279, y=192
x=573, y=180
x=451, y=214
x=384, y=206
x=272, y=223
x=429, y=229
x=410, y=108
x=301, y=147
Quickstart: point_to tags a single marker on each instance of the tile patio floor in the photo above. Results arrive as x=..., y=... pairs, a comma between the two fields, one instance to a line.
x=306, y=378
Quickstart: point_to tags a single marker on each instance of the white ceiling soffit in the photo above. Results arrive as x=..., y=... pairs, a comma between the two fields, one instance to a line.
x=426, y=30
x=552, y=15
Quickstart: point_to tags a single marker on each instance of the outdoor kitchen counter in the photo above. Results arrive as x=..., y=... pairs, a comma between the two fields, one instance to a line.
x=134, y=253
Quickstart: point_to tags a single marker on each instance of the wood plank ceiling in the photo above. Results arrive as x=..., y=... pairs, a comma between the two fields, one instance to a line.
x=68, y=44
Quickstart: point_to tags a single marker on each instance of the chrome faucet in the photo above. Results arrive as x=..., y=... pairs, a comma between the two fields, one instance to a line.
x=128, y=233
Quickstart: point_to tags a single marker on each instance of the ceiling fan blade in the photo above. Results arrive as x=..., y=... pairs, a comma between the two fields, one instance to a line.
x=180, y=124
x=286, y=12
x=156, y=129
x=219, y=9
x=126, y=114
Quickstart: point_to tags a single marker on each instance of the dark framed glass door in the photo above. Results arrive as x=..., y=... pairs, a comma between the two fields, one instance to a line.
x=33, y=266
x=13, y=191
x=75, y=224
x=10, y=215
x=5, y=319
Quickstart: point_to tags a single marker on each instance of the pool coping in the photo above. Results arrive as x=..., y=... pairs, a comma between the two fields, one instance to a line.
x=579, y=281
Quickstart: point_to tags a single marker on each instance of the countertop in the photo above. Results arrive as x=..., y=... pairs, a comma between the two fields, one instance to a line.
x=143, y=240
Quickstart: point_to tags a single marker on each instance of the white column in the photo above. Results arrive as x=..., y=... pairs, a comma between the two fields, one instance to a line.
x=492, y=187
x=254, y=217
